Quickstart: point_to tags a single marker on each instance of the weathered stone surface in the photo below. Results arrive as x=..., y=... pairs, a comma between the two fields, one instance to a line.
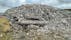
x=57, y=27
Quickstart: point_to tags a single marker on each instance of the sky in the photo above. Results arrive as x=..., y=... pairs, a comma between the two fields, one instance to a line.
x=6, y=4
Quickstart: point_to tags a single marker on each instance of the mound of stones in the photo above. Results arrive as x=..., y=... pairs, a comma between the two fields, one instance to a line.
x=39, y=22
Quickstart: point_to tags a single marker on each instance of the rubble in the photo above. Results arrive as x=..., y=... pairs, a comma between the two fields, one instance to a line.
x=39, y=22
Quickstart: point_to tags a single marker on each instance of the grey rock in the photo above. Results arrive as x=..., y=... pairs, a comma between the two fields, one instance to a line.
x=57, y=27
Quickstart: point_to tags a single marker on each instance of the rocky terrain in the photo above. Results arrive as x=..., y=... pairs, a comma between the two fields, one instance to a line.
x=39, y=22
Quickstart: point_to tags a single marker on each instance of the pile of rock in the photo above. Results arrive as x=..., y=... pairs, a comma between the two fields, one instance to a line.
x=39, y=22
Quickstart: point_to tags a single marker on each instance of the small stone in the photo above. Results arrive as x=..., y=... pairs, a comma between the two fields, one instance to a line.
x=33, y=27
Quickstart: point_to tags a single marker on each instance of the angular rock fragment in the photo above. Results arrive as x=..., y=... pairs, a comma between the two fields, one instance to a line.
x=34, y=22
